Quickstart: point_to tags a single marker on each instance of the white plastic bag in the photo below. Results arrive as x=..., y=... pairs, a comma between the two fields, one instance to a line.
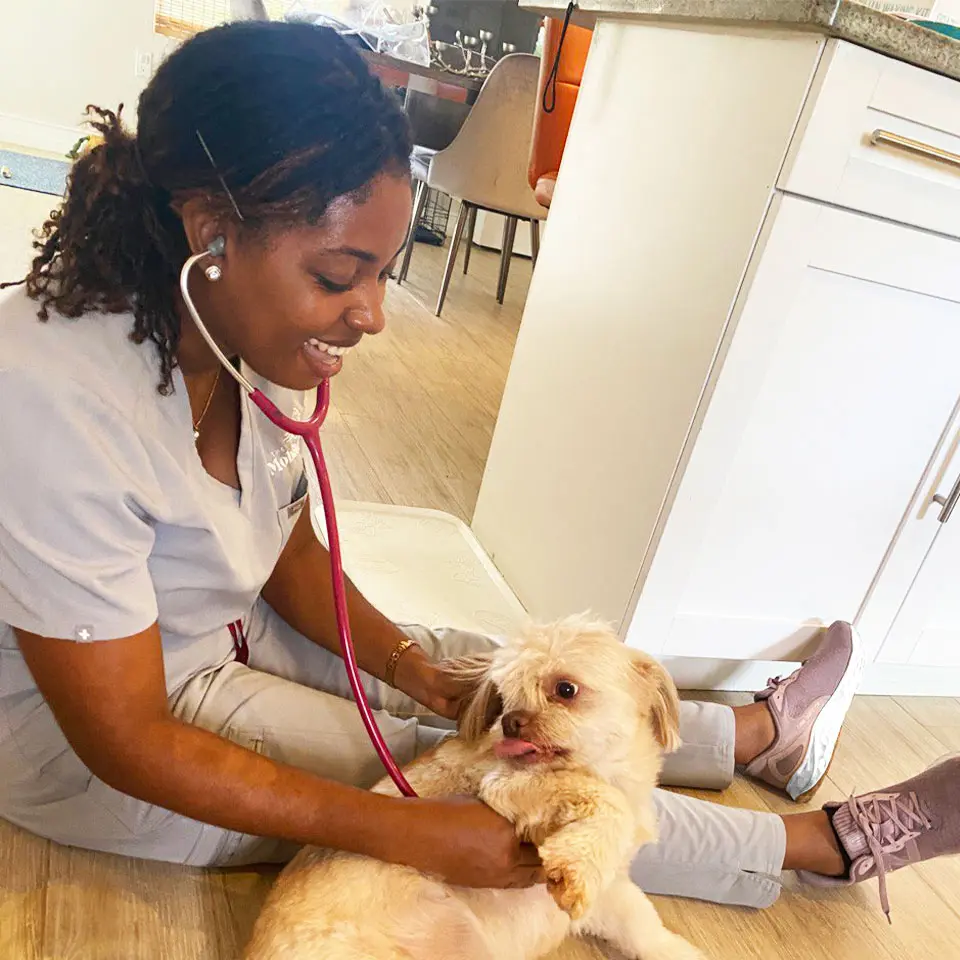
x=383, y=26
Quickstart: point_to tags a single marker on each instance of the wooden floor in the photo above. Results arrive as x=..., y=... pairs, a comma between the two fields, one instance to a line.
x=415, y=406
x=414, y=412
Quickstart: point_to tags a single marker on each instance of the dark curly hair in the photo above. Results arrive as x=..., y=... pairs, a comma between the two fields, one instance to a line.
x=292, y=118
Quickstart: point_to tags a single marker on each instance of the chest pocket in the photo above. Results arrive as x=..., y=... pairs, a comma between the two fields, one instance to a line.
x=288, y=515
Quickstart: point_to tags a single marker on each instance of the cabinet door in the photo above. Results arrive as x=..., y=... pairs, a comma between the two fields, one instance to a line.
x=926, y=631
x=21, y=212
x=830, y=406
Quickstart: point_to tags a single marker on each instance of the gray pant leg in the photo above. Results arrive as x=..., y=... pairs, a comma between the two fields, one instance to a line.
x=276, y=648
x=710, y=852
x=707, y=851
x=282, y=708
x=705, y=761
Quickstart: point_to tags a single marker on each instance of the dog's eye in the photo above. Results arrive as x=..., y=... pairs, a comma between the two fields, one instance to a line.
x=566, y=690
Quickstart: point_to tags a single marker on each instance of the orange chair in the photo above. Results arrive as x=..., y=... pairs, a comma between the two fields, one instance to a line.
x=550, y=129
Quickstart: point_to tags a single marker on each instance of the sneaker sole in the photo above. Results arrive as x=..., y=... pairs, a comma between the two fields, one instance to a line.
x=804, y=797
x=811, y=773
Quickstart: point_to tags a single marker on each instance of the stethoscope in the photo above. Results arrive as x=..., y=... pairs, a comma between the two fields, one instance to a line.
x=309, y=431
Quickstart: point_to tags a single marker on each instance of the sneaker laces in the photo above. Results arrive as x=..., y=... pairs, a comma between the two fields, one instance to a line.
x=772, y=684
x=887, y=822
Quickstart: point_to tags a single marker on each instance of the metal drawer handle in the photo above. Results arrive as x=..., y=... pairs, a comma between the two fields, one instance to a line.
x=879, y=137
x=948, y=502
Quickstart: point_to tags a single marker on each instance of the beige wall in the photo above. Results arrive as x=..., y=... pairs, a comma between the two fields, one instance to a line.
x=57, y=56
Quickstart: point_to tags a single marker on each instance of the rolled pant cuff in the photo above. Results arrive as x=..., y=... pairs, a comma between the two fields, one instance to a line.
x=705, y=761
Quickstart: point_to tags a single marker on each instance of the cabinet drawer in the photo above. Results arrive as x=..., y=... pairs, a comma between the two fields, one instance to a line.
x=839, y=154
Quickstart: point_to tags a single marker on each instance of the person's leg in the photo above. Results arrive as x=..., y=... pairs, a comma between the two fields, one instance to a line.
x=707, y=758
x=716, y=740
x=812, y=844
x=786, y=738
x=725, y=855
x=710, y=852
x=885, y=830
x=807, y=710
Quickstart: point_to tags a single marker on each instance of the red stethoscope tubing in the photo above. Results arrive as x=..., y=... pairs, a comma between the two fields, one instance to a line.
x=309, y=431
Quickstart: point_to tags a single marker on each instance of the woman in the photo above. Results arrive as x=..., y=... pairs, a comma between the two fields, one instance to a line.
x=169, y=680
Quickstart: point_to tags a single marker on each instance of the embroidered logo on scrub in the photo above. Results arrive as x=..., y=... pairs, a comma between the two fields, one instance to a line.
x=289, y=452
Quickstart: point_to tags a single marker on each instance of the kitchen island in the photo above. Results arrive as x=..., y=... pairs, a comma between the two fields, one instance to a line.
x=733, y=411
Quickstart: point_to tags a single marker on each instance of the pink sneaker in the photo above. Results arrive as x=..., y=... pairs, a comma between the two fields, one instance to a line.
x=808, y=710
x=913, y=821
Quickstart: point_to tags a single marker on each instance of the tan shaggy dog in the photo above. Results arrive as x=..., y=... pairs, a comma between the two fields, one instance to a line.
x=564, y=737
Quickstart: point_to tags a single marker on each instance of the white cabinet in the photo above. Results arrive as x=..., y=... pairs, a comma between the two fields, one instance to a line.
x=736, y=388
x=840, y=382
x=913, y=612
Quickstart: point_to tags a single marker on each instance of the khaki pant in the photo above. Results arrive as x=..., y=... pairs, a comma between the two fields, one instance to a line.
x=291, y=703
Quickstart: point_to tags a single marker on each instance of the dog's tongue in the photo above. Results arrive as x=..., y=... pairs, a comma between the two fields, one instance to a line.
x=510, y=749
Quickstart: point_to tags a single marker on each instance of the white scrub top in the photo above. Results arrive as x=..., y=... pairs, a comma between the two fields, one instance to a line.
x=108, y=520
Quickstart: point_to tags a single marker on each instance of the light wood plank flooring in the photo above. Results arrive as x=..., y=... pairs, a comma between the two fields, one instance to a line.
x=415, y=406
x=413, y=418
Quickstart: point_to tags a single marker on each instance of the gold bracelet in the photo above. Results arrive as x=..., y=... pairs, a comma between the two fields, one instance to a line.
x=398, y=651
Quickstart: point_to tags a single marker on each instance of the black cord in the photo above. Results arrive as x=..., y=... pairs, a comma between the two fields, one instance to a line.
x=551, y=86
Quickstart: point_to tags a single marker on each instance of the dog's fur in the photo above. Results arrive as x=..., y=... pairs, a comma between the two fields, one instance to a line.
x=585, y=803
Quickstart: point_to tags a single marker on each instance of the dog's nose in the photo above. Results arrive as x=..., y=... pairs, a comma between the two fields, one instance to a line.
x=514, y=723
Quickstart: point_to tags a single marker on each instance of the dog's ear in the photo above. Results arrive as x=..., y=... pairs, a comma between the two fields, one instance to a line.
x=481, y=704
x=665, y=707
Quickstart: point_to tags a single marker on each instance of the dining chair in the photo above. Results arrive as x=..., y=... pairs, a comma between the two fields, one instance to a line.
x=485, y=168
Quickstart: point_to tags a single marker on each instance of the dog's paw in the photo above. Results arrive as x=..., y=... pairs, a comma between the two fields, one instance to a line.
x=573, y=886
x=567, y=893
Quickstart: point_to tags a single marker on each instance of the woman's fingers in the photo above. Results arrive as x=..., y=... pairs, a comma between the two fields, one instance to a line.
x=527, y=877
x=529, y=870
x=528, y=856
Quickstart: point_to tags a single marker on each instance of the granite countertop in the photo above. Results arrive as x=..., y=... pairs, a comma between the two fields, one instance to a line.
x=835, y=18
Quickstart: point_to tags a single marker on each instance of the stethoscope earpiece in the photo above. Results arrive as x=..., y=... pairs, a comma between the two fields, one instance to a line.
x=217, y=246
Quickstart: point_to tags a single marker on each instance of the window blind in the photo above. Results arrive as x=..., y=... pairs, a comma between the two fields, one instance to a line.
x=183, y=18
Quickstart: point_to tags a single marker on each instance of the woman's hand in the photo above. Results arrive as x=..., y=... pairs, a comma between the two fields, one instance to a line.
x=463, y=841
x=429, y=684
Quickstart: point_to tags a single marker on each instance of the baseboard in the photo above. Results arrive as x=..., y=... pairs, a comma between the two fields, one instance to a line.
x=887, y=679
x=37, y=134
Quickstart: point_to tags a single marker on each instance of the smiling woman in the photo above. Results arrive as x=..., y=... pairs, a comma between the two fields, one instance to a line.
x=259, y=131
x=169, y=684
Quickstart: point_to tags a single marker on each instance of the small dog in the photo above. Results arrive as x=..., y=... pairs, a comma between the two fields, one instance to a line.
x=564, y=737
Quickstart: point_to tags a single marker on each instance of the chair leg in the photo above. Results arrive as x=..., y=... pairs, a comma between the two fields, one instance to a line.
x=471, y=229
x=452, y=255
x=509, y=235
x=418, y=205
x=534, y=241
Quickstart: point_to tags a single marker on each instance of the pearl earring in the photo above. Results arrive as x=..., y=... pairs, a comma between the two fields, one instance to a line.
x=213, y=273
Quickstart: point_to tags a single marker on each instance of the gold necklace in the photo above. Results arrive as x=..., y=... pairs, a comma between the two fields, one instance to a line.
x=206, y=407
